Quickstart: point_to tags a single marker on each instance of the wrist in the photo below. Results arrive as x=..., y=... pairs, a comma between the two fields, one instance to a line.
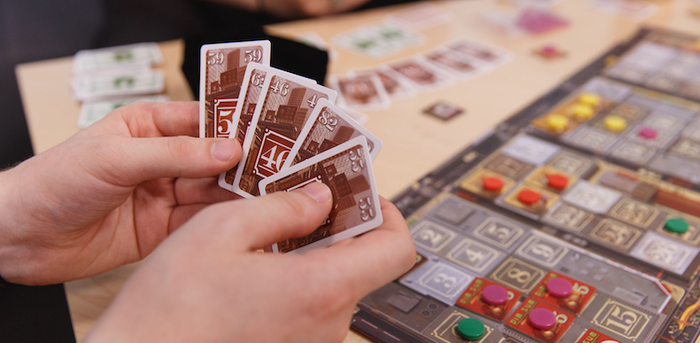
x=10, y=230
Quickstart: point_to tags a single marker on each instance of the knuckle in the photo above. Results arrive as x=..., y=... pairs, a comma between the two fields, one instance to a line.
x=177, y=146
x=297, y=207
x=314, y=8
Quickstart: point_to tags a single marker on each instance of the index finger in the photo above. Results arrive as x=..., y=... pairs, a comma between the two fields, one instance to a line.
x=373, y=259
x=159, y=119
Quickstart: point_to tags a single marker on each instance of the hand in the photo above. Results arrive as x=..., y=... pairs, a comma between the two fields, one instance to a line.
x=292, y=9
x=108, y=195
x=205, y=283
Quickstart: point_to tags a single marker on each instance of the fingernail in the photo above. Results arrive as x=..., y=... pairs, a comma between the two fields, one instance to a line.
x=318, y=191
x=224, y=149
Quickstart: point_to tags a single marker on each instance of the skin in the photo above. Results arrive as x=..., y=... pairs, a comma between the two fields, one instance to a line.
x=138, y=183
x=294, y=9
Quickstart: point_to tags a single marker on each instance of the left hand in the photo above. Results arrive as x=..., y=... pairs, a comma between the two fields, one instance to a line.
x=110, y=194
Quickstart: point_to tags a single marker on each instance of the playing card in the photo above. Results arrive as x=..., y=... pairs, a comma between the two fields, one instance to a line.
x=288, y=100
x=358, y=116
x=91, y=112
x=118, y=57
x=420, y=74
x=480, y=51
x=250, y=97
x=114, y=84
x=443, y=110
x=632, y=9
x=378, y=40
x=347, y=171
x=455, y=63
x=222, y=68
x=328, y=126
x=360, y=91
x=422, y=16
x=395, y=86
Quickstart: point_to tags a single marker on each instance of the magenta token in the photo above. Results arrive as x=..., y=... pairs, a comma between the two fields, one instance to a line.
x=542, y=319
x=495, y=295
x=559, y=287
x=647, y=133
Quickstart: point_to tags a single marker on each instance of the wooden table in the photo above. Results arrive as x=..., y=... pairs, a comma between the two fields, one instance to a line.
x=414, y=143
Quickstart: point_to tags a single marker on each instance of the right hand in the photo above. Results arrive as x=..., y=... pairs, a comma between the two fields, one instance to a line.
x=206, y=283
x=290, y=9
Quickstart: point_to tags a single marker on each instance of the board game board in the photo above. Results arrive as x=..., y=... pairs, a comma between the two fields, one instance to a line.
x=576, y=220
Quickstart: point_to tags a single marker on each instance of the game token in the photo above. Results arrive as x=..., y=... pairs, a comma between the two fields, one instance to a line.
x=550, y=52
x=589, y=99
x=582, y=111
x=647, y=133
x=443, y=110
x=676, y=225
x=557, y=181
x=615, y=123
x=560, y=287
x=557, y=122
x=492, y=183
x=528, y=197
x=495, y=295
x=542, y=319
x=471, y=329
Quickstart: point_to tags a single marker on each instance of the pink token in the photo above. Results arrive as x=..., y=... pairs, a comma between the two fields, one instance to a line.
x=542, y=319
x=560, y=287
x=647, y=133
x=549, y=49
x=495, y=295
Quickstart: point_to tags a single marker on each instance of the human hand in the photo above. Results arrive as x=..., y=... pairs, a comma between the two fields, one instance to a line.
x=205, y=283
x=110, y=194
x=307, y=8
x=293, y=9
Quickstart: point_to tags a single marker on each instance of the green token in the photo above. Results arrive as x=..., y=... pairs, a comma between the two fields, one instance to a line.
x=676, y=225
x=470, y=329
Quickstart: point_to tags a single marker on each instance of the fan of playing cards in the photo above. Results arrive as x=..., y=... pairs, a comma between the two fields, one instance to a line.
x=292, y=134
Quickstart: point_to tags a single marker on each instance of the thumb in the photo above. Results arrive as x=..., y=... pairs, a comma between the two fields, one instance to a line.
x=276, y=217
x=135, y=160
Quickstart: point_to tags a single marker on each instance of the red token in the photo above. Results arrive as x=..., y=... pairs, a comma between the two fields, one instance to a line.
x=528, y=197
x=492, y=183
x=557, y=181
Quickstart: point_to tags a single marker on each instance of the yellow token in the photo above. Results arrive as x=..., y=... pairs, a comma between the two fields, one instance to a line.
x=582, y=112
x=557, y=122
x=615, y=123
x=589, y=99
x=697, y=45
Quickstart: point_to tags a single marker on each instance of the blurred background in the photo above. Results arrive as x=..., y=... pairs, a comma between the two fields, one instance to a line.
x=33, y=30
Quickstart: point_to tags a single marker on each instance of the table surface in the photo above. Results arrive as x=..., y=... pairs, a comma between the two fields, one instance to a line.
x=414, y=143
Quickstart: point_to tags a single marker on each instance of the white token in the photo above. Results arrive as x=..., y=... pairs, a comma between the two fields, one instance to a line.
x=531, y=150
x=591, y=197
x=665, y=253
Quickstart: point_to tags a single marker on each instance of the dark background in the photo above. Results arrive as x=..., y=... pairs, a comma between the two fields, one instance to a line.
x=34, y=30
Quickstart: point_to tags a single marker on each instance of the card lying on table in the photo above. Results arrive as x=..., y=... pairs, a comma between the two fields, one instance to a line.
x=347, y=171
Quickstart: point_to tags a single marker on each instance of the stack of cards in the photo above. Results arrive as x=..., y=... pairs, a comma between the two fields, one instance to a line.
x=379, y=40
x=461, y=59
x=292, y=134
x=105, y=79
